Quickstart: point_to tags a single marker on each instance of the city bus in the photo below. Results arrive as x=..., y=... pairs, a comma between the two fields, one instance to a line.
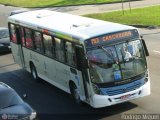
x=97, y=62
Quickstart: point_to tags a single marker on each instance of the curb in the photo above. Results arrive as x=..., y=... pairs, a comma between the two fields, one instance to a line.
x=146, y=26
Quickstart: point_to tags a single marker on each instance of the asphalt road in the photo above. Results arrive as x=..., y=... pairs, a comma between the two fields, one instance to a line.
x=52, y=103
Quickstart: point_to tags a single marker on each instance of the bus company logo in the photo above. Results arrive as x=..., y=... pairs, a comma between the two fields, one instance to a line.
x=4, y=117
x=124, y=89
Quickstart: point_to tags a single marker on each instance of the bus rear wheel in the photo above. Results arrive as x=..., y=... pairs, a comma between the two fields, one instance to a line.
x=75, y=94
x=34, y=73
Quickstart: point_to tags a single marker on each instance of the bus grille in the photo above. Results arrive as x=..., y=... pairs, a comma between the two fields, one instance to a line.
x=122, y=88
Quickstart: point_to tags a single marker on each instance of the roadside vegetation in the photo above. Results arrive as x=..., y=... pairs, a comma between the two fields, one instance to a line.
x=148, y=16
x=50, y=3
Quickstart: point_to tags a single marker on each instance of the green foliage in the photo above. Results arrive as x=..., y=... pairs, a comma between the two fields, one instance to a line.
x=141, y=16
x=50, y=3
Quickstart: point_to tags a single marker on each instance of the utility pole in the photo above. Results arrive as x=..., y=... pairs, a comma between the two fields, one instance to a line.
x=122, y=7
x=129, y=3
x=130, y=6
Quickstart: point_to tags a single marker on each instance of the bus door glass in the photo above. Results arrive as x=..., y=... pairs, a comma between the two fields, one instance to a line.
x=16, y=43
x=80, y=57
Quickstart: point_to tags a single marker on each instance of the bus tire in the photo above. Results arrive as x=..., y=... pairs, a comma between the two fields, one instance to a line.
x=34, y=73
x=75, y=93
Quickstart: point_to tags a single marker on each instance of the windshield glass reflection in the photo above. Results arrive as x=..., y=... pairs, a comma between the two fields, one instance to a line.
x=117, y=62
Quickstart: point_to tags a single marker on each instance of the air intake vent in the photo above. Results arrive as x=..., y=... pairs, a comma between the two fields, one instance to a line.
x=41, y=15
x=81, y=25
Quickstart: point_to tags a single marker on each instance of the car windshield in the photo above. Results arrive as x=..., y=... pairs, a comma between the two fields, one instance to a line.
x=4, y=33
x=8, y=98
x=117, y=62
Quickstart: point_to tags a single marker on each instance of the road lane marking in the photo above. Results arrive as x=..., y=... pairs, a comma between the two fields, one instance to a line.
x=155, y=51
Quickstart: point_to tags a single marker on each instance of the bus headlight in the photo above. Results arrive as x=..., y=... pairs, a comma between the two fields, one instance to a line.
x=96, y=89
x=146, y=74
x=146, y=77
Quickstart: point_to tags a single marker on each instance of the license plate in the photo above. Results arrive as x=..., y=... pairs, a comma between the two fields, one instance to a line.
x=9, y=47
x=125, y=97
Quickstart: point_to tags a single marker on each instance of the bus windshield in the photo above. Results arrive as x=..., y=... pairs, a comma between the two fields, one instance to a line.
x=117, y=62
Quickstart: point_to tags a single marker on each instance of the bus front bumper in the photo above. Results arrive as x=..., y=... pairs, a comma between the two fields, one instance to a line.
x=104, y=100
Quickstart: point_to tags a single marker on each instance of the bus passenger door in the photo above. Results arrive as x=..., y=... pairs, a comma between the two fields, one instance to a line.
x=17, y=51
x=80, y=65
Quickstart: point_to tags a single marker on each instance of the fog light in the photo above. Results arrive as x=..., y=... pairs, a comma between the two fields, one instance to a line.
x=109, y=100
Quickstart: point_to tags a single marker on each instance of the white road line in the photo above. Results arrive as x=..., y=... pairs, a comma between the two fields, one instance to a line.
x=156, y=51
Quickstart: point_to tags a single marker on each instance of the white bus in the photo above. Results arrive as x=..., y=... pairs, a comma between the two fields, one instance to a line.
x=97, y=62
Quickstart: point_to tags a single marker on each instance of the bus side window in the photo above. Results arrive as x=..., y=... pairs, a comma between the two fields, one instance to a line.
x=28, y=38
x=22, y=36
x=48, y=45
x=59, y=49
x=70, y=53
x=37, y=41
x=13, y=33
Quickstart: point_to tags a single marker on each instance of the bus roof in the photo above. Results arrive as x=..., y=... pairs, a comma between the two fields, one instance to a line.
x=65, y=24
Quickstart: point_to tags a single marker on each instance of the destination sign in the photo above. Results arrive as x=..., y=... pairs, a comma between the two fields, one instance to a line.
x=130, y=34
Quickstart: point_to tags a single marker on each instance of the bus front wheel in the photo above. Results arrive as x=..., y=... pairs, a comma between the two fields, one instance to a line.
x=34, y=73
x=75, y=93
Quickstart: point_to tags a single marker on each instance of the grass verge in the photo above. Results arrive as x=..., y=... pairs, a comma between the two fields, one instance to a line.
x=50, y=3
x=148, y=16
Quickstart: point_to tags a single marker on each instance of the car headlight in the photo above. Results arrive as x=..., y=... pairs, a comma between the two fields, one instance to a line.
x=33, y=116
x=9, y=47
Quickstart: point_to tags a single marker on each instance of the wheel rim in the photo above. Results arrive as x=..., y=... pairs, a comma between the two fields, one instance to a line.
x=76, y=95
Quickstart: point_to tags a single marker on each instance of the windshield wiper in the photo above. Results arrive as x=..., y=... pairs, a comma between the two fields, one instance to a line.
x=110, y=55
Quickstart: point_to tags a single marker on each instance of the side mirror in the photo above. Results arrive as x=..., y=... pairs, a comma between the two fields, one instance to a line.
x=145, y=47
